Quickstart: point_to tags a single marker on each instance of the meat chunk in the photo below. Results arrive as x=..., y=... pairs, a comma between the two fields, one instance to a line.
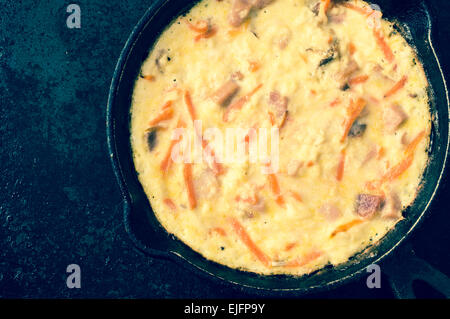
x=351, y=68
x=367, y=205
x=250, y=206
x=259, y=4
x=283, y=38
x=224, y=94
x=330, y=212
x=393, y=207
x=336, y=18
x=240, y=9
x=278, y=106
x=393, y=117
x=206, y=184
x=237, y=76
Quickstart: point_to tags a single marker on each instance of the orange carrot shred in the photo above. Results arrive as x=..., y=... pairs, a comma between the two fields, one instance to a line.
x=166, y=113
x=383, y=45
x=381, y=152
x=200, y=26
x=167, y=161
x=326, y=5
x=351, y=48
x=397, y=170
x=290, y=246
x=414, y=143
x=217, y=167
x=246, y=239
x=354, y=110
x=187, y=173
x=345, y=227
x=358, y=79
x=335, y=102
x=206, y=35
x=170, y=203
x=397, y=87
x=238, y=104
x=189, y=105
x=297, y=196
x=341, y=166
x=273, y=181
x=254, y=66
x=272, y=118
x=219, y=230
x=150, y=78
x=305, y=260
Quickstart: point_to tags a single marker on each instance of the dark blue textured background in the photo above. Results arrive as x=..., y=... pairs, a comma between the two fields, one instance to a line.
x=59, y=203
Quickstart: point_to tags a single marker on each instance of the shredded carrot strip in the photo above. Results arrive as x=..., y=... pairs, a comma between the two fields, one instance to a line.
x=170, y=203
x=411, y=148
x=345, y=227
x=235, y=31
x=167, y=161
x=290, y=246
x=358, y=79
x=305, y=260
x=149, y=77
x=335, y=102
x=273, y=181
x=166, y=113
x=397, y=87
x=219, y=230
x=351, y=48
x=326, y=5
x=341, y=165
x=383, y=45
x=251, y=200
x=200, y=26
x=304, y=57
x=189, y=105
x=217, y=167
x=400, y=168
x=206, y=35
x=354, y=110
x=397, y=170
x=167, y=105
x=246, y=239
x=297, y=196
x=240, y=102
x=310, y=164
x=254, y=66
x=381, y=152
x=187, y=173
x=272, y=118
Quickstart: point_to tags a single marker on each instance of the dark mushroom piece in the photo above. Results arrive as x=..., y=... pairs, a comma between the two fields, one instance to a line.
x=357, y=129
x=151, y=138
x=225, y=93
x=161, y=60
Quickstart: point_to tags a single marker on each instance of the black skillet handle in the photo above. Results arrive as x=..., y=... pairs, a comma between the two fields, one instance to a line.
x=406, y=268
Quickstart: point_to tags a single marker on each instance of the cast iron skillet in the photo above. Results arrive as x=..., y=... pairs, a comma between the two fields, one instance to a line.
x=415, y=23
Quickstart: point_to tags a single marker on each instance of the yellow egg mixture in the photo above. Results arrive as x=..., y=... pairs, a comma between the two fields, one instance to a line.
x=348, y=97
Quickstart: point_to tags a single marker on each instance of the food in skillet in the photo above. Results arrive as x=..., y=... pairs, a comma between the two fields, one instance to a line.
x=348, y=98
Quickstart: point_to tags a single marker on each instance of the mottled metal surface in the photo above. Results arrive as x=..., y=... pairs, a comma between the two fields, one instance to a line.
x=59, y=202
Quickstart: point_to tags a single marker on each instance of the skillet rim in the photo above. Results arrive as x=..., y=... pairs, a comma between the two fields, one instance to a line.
x=126, y=53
